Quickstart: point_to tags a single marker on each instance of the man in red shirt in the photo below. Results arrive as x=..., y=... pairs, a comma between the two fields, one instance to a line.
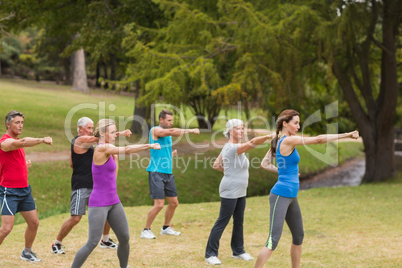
x=15, y=192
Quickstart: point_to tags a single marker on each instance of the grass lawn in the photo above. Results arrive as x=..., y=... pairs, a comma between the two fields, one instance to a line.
x=47, y=107
x=195, y=179
x=344, y=227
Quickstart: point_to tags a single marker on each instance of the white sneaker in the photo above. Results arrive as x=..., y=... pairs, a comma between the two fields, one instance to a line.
x=244, y=256
x=169, y=231
x=213, y=260
x=147, y=234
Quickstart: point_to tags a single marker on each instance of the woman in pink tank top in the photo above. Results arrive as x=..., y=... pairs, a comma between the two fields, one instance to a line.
x=104, y=203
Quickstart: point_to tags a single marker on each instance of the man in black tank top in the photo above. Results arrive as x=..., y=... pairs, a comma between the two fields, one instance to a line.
x=82, y=151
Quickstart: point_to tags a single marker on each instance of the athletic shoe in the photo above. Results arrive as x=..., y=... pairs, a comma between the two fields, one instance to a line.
x=244, y=256
x=169, y=231
x=29, y=256
x=58, y=249
x=147, y=234
x=108, y=244
x=213, y=260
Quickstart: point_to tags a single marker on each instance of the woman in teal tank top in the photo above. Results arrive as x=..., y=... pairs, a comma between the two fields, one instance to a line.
x=283, y=196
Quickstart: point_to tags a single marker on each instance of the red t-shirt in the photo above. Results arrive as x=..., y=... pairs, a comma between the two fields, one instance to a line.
x=13, y=167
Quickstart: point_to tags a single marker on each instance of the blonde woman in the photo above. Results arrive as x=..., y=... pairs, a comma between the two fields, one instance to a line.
x=104, y=203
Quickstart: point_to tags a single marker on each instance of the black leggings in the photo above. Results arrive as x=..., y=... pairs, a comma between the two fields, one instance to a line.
x=283, y=208
x=229, y=207
x=117, y=220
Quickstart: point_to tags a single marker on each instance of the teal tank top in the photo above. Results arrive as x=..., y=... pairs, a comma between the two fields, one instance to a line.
x=288, y=173
x=161, y=160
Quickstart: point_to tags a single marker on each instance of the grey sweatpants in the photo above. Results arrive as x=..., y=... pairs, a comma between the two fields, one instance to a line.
x=283, y=208
x=97, y=216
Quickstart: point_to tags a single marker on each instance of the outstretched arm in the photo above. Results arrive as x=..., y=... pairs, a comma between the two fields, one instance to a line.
x=129, y=149
x=87, y=141
x=326, y=138
x=267, y=163
x=175, y=132
x=103, y=151
x=125, y=133
x=13, y=144
x=253, y=143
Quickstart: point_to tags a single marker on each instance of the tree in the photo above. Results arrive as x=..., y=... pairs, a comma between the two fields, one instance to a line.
x=366, y=65
x=210, y=55
x=79, y=72
x=358, y=40
x=59, y=19
x=3, y=18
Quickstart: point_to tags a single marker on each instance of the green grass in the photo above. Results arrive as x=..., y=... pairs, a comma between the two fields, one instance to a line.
x=51, y=181
x=344, y=227
x=47, y=107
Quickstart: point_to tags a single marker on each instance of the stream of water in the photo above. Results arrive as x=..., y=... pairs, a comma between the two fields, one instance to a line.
x=347, y=174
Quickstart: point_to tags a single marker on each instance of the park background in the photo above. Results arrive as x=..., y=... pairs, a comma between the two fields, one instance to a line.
x=204, y=57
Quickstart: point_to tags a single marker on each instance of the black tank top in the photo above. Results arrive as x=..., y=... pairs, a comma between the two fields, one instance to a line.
x=82, y=168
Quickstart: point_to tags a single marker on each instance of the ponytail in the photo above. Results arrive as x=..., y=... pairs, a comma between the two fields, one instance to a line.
x=274, y=143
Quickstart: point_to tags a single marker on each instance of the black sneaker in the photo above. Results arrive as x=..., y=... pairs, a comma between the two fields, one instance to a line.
x=58, y=249
x=29, y=256
x=108, y=244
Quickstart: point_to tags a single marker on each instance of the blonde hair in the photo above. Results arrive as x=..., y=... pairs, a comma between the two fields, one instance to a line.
x=102, y=126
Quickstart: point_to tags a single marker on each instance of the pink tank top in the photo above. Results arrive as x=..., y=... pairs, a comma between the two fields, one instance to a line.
x=104, y=191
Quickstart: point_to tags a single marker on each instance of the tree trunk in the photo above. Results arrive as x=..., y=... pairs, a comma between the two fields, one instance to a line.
x=202, y=122
x=379, y=152
x=113, y=67
x=67, y=73
x=97, y=75
x=142, y=115
x=376, y=126
x=80, y=82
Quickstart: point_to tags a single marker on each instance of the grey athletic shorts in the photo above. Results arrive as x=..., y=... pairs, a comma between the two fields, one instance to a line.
x=79, y=201
x=161, y=185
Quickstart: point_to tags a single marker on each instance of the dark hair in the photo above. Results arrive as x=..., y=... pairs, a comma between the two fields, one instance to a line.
x=285, y=116
x=163, y=113
x=11, y=115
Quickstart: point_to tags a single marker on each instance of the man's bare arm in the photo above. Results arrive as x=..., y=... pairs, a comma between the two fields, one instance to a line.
x=13, y=144
x=175, y=132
